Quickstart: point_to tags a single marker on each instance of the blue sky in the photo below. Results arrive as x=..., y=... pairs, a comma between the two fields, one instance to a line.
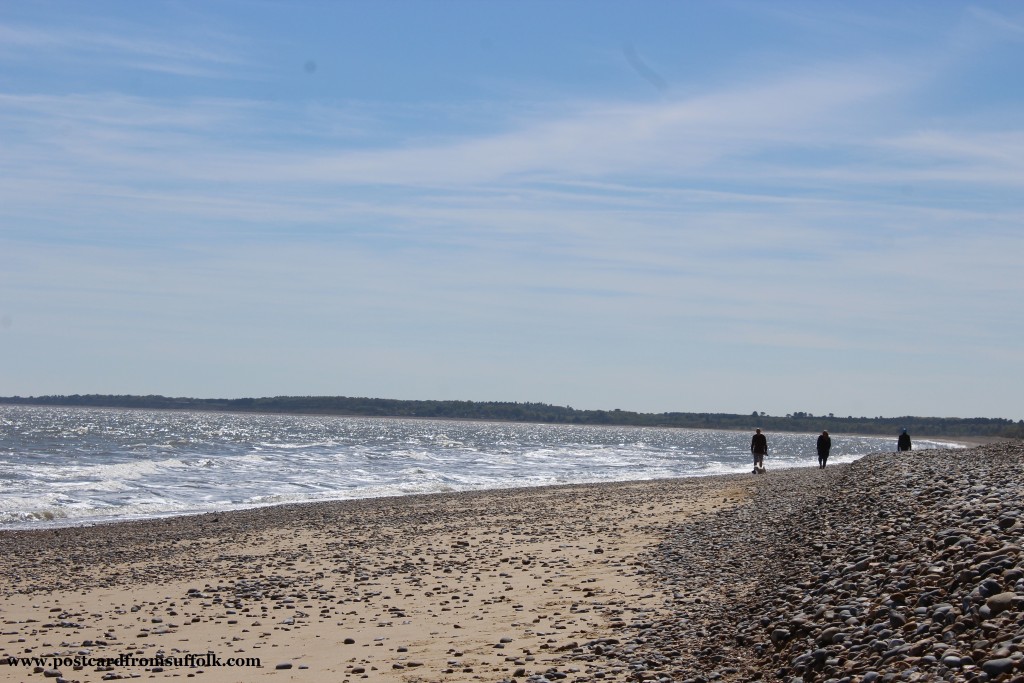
x=696, y=206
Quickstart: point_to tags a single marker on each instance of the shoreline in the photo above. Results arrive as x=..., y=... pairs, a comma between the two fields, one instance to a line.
x=888, y=568
x=55, y=522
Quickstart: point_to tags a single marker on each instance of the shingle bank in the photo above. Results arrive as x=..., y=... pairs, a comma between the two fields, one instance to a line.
x=895, y=568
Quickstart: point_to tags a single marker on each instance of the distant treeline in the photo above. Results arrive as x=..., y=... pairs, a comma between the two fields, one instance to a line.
x=542, y=412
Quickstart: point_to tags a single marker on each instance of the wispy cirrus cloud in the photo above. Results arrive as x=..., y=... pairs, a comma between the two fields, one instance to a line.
x=144, y=50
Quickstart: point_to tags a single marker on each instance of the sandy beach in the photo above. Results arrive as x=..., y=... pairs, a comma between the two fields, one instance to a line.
x=474, y=586
x=804, y=574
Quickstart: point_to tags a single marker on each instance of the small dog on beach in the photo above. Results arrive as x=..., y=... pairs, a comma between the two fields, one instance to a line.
x=759, y=470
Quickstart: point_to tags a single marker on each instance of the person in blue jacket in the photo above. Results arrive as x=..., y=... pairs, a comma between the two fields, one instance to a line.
x=903, y=443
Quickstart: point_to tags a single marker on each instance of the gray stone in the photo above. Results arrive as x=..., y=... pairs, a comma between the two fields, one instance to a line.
x=997, y=667
x=826, y=636
x=952, y=661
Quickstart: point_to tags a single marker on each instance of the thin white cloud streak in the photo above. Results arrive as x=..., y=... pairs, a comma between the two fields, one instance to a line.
x=612, y=140
x=115, y=111
x=991, y=158
x=143, y=51
x=1000, y=21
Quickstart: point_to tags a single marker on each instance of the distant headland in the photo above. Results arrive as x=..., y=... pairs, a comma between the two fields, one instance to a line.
x=509, y=411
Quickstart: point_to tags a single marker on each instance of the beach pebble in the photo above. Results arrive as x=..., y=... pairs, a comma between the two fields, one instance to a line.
x=998, y=667
x=1001, y=602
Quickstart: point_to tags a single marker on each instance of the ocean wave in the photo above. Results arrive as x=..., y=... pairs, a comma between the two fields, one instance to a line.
x=120, y=471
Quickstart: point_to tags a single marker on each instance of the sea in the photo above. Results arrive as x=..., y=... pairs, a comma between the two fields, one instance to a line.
x=78, y=466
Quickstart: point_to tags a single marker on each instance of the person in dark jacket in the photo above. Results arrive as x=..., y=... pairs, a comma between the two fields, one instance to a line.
x=759, y=447
x=824, y=446
x=903, y=443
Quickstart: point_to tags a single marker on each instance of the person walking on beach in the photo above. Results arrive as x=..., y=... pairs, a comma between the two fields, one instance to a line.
x=903, y=443
x=824, y=446
x=759, y=447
